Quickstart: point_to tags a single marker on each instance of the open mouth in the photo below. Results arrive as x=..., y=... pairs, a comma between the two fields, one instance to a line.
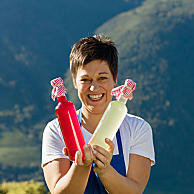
x=96, y=97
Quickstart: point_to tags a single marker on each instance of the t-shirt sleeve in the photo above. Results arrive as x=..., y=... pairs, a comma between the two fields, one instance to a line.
x=52, y=144
x=142, y=142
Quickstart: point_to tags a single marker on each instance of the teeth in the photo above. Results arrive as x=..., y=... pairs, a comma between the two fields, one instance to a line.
x=95, y=97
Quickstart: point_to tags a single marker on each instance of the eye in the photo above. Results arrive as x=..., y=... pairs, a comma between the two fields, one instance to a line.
x=85, y=80
x=103, y=78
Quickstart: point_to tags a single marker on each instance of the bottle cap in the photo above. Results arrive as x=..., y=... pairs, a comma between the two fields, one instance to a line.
x=126, y=90
x=58, y=88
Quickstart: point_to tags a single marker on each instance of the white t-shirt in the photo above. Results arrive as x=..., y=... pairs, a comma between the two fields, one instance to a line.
x=136, y=138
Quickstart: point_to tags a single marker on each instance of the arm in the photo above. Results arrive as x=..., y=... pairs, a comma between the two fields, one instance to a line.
x=61, y=177
x=137, y=174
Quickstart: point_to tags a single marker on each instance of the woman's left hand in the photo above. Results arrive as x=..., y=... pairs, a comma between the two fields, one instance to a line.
x=103, y=157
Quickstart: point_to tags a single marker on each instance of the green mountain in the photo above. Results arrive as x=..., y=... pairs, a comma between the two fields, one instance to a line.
x=35, y=41
x=155, y=42
x=156, y=49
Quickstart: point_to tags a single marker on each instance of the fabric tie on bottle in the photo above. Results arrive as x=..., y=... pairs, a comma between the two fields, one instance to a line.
x=126, y=90
x=58, y=88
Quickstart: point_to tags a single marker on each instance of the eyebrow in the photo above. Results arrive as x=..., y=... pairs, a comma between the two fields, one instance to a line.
x=102, y=73
x=85, y=75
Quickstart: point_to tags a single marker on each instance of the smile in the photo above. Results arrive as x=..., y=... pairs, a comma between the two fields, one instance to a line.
x=95, y=97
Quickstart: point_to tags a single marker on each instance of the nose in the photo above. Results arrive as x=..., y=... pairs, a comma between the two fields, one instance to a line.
x=94, y=86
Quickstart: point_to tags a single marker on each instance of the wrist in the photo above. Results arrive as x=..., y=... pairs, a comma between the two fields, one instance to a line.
x=82, y=166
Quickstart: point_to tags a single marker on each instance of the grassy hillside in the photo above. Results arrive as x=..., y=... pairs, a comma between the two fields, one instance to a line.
x=29, y=187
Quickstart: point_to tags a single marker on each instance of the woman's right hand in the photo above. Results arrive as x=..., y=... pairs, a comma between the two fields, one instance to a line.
x=88, y=153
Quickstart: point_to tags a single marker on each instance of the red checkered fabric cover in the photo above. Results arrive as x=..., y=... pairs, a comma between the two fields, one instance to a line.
x=58, y=88
x=126, y=90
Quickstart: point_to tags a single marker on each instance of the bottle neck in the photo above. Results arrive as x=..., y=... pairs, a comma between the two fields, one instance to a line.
x=62, y=99
x=122, y=99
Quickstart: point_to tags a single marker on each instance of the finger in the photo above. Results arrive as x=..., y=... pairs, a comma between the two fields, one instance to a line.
x=88, y=154
x=87, y=151
x=111, y=145
x=100, y=164
x=78, y=158
x=91, y=155
x=101, y=150
x=104, y=159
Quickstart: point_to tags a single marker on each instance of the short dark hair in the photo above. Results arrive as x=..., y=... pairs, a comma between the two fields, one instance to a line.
x=97, y=47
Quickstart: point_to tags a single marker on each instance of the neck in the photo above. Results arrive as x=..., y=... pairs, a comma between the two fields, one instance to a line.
x=90, y=120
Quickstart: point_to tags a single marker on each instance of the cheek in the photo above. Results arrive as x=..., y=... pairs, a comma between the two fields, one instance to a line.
x=81, y=90
x=109, y=89
x=110, y=86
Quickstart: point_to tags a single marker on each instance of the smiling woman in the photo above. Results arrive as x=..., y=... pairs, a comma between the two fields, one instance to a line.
x=127, y=161
x=94, y=83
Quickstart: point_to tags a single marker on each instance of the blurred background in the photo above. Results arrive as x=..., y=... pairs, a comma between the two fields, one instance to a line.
x=155, y=40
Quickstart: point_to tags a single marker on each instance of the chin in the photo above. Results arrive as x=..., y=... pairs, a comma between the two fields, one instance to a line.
x=96, y=109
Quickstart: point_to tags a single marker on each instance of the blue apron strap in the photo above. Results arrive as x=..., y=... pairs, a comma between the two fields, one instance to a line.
x=80, y=116
x=118, y=161
x=94, y=185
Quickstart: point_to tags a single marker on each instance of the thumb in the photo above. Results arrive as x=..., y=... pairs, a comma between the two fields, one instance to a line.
x=65, y=151
x=110, y=145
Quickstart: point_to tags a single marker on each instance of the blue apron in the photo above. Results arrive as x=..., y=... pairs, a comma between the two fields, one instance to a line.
x=94, y=185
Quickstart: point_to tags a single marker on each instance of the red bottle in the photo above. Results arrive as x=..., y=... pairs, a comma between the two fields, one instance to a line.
x=68, y=120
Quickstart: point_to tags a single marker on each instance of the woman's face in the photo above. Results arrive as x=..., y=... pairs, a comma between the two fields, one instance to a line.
x=94, y=83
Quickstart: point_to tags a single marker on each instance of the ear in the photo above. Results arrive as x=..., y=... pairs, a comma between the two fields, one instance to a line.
x=74, y=82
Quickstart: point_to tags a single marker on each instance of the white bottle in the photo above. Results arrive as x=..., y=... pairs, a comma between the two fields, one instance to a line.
x=110, y=122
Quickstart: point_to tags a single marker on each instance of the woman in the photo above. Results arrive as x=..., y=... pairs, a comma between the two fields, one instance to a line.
x=125, y=166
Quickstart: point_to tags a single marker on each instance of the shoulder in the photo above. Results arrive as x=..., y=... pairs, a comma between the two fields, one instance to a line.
x=52, y=142
x=139, y=136
x=134, y=120
x=52, y=125
x=52, y=131
x=134, y=126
